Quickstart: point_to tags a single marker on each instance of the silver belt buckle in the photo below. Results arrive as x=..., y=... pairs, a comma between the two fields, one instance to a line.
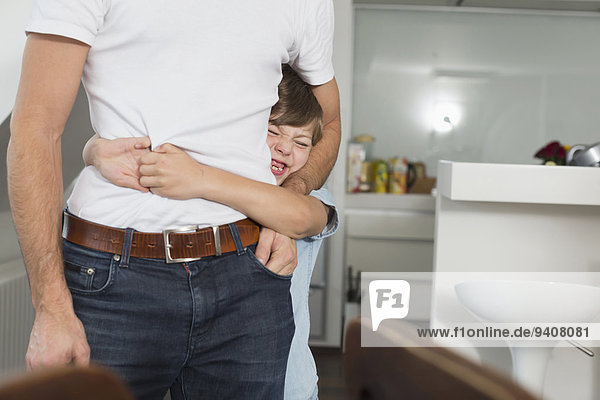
x=183, y=229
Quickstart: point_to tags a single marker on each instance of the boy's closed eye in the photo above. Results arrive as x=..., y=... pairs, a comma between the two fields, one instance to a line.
x=302, y=144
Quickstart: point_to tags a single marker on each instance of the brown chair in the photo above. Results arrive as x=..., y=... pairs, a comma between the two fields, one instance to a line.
x=402, y=371
x=66, y=383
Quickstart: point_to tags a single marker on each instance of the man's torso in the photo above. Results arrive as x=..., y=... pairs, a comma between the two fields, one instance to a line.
x=200, y=75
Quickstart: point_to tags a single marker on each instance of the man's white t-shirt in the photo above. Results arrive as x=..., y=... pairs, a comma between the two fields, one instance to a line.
x=201, y=75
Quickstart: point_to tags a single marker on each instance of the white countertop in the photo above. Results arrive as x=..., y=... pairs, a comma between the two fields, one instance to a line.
x=515, y=183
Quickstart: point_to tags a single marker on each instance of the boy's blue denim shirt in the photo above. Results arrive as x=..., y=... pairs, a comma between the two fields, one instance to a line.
x=301, y=377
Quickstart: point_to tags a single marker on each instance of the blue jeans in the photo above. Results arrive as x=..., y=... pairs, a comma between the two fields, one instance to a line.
x=216, y=328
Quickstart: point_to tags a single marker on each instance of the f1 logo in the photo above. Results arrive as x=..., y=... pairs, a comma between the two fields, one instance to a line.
x=389, y=300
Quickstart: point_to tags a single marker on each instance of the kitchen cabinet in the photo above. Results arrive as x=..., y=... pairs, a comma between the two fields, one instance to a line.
x=387, y=233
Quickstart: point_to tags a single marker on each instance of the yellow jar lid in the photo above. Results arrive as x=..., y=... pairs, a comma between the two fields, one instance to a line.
x=363, y=139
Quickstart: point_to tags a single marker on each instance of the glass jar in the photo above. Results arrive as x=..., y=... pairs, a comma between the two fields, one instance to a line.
x=367, y=142
x=359, y=154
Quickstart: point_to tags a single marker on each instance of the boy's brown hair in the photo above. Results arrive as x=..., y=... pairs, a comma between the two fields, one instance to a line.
x=297, y=105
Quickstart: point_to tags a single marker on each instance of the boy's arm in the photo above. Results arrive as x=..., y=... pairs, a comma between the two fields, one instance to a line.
x=282, y=210
x=285, y=211
x=324, y=154
x=50, y=75
x=276, y=251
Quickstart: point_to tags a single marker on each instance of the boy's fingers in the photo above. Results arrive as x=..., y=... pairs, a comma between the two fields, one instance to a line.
x=148, y=181
x=168, y=148
x=147, y=169
x=265, y=242
x=149, y=158
x=283, y=259
x=152, y=181
x=131, y=182
x=134, y=183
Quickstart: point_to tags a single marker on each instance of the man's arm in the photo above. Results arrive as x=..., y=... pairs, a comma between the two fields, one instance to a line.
x=324, y=154
x=276, y=251
x=50, y=75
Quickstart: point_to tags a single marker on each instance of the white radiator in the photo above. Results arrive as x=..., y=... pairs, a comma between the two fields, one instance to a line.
x=16, y=316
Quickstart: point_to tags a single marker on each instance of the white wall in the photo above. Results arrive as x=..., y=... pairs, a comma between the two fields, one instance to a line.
x=13, y=18
x=519, y=78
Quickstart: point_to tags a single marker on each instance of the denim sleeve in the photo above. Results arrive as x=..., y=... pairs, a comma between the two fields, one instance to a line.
x=333, y=222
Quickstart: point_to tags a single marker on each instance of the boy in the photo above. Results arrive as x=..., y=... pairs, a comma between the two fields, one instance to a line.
x=294, y=127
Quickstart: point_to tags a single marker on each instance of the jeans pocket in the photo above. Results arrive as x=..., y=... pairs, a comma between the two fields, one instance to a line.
x=88, y=274
x=256, y=262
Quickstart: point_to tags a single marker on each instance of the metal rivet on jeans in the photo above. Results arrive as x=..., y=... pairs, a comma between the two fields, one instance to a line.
x=117, y=257
x=90, y=271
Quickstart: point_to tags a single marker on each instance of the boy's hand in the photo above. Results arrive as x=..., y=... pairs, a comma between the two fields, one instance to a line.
x=170, y=172
x=118, y=160
x=277, y=252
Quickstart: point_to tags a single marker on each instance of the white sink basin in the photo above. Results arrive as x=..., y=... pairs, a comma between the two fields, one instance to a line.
x=530, y=301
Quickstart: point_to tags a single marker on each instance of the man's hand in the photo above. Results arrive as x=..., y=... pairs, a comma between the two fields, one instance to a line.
x=277, y=252
x=170, y=172
x=118, y=160
x=57, y=338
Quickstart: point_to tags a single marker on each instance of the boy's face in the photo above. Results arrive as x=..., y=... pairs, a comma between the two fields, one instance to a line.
x=290, y=147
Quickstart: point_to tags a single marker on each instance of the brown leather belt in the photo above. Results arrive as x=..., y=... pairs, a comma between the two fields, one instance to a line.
x=172, y=245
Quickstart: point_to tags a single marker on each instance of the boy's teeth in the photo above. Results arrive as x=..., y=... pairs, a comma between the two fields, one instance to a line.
x=276, y=168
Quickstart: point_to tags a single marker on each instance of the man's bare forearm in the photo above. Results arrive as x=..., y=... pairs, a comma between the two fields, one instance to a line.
x=324, y=154
x=35, y=193
x=50, y=76
x=320, y=162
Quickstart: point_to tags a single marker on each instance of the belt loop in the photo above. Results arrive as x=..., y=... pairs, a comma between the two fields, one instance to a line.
x=236, y=238
x=217, y=238
x=63, y=227
x=126, y=252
